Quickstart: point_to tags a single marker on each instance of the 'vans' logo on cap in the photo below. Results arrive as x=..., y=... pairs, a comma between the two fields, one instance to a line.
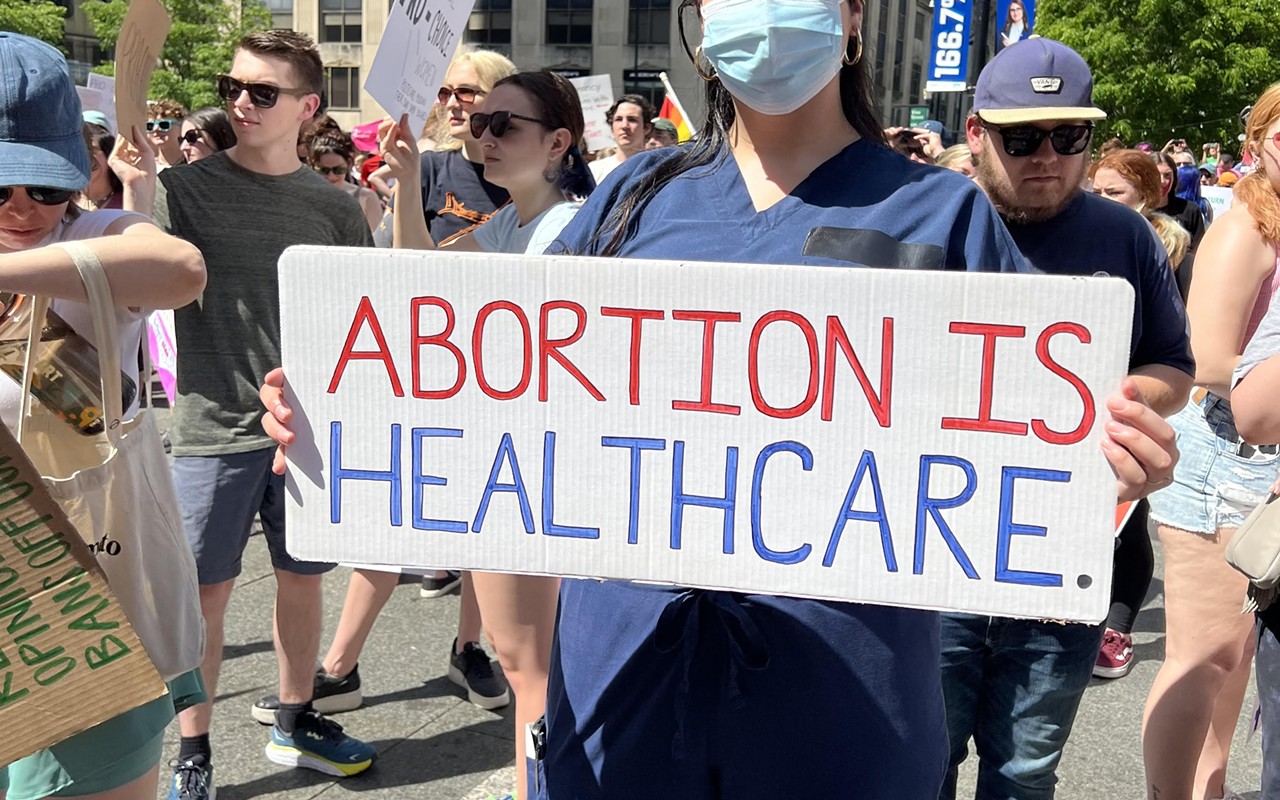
x=1046, y=85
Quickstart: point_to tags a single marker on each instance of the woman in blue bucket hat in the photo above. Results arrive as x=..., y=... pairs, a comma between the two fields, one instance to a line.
x=43, y=163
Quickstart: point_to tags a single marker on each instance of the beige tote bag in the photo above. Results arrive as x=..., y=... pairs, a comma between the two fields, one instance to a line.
x=117, y=489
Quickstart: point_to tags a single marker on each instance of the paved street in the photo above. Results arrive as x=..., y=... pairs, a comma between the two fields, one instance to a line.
x=434, y=745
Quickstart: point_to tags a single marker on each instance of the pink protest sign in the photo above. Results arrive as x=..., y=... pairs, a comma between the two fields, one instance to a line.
x=164, y=350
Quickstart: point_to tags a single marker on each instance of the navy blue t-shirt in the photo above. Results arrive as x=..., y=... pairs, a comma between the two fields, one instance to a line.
x=1095, y=235
x=455, y=195
x=866, y=206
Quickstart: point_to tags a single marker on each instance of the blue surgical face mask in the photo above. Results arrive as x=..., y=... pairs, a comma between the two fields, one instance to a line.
x=774, y=55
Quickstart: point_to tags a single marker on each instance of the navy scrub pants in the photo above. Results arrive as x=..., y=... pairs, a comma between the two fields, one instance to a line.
x=692, y=694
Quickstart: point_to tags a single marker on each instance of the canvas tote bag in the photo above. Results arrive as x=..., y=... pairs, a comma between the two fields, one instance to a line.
x=117, y=489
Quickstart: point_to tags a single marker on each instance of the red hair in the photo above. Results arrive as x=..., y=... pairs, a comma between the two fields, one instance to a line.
x=1255, y=190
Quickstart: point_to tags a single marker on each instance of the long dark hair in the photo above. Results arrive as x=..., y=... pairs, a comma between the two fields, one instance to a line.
x=559, y=105
x=711, y=144
x=215, y=125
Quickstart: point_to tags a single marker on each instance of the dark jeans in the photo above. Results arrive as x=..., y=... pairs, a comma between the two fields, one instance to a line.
x=1267, y=666
x=1013, y=685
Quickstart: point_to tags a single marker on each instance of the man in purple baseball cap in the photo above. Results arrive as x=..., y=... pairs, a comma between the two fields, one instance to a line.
x=1013, y=685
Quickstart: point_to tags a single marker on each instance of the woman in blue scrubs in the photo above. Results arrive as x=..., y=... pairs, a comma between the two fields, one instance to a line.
x=686, y=693
x=668, y=692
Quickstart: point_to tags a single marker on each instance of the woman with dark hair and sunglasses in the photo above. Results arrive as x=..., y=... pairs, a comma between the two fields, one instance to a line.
x=206, y=131
x=529, y=134
x=118, y=759
x=332, y=155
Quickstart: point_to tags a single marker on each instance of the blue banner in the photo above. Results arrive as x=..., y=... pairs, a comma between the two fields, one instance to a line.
x=1015, y=20
x=949, y=49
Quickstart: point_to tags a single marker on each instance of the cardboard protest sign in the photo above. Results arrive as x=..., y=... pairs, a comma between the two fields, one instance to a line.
x=106, y=86
x=68, y=656
x=146, y=26
x=417, y=45
x=913, y=438
x=596, y=95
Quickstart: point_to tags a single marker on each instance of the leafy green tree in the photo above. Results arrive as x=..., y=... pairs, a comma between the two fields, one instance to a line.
x=1170, y=69
x=199, y=48
x=42, y=19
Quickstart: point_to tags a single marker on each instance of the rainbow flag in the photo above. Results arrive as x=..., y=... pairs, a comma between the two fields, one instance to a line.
x=672, y=110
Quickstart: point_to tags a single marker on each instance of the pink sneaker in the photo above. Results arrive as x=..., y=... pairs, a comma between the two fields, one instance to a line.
x=1115, y=659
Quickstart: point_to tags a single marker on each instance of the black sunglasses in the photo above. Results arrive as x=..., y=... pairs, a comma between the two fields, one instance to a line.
x=499, y=122
x=192, y=137
x=262, y=95
x=162, y=125
x=1022, y=140
x=41, y=194
x=465, y=95
x=331, y=170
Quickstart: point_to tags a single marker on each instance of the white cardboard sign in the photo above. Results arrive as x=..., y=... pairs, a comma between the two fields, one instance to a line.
x=106, y=86
x=1220, y=198
x=417, y=45
x=909, y=438
x=596, y=94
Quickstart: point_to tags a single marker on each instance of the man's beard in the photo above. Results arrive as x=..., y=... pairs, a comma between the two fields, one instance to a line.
x=1002, y=195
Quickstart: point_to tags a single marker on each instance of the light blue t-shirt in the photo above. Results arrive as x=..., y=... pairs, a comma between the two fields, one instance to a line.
x=503, y=233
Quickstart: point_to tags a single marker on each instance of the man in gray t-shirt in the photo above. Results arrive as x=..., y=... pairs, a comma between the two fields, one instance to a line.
x=242, y=208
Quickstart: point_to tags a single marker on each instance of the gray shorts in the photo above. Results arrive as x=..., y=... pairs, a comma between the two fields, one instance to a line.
x=220, y=495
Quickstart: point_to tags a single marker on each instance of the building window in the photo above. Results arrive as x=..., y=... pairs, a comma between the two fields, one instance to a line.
x=342, y=87
x=916, y=83
x=650, y=22
x=920, y=20
x=489, y=24
x=646, y=83
x=341, y=21
x=569, y=22
x=281, y=13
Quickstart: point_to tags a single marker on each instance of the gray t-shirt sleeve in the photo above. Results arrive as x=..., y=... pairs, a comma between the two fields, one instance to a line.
x=161, y=212
x=1264, y=344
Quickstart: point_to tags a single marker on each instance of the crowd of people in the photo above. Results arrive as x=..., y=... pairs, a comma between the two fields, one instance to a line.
x=626, y=690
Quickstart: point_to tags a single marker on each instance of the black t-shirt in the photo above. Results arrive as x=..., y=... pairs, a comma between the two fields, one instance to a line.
x=1189, y=216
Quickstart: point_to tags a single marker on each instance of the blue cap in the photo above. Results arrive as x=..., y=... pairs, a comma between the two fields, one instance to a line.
x=1035, y=80
x=41, y=143
x=97, y=118
x=933, y=126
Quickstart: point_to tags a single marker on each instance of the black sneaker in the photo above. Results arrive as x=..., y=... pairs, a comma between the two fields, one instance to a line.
x=439, y=587
x=472, y=670
x=331, y=695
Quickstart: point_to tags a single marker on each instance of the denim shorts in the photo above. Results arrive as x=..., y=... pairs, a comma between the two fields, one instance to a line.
x=1219, y=479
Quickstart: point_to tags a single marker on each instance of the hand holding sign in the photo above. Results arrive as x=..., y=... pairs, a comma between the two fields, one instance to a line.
x=399, y=150
x=1140, y=446
x=142, y=36
x=277, y=417
x=134, y=163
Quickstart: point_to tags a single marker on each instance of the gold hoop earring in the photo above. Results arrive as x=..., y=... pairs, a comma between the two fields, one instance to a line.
x=697, y=66
x=857, y=56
